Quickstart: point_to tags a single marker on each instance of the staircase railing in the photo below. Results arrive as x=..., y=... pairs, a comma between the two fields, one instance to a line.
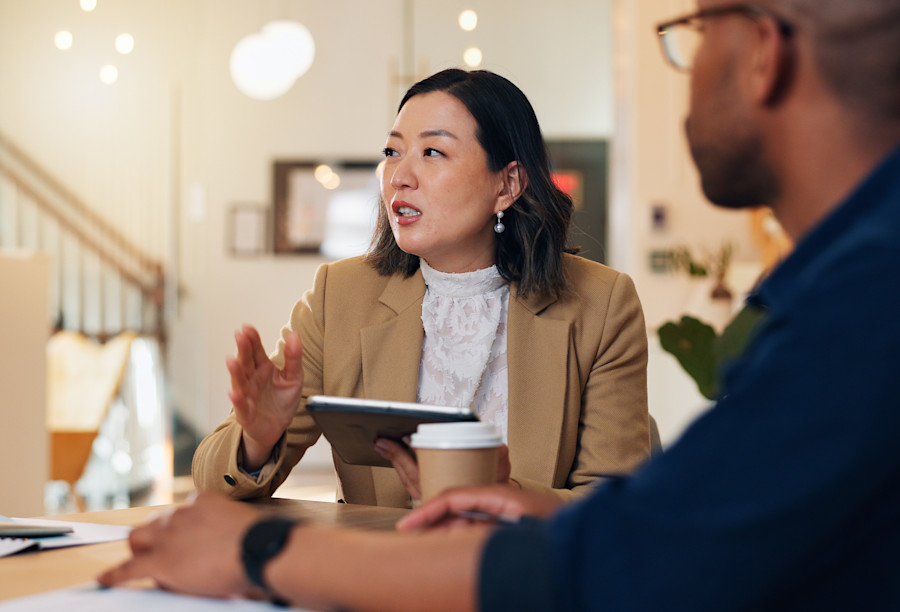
x=112, y=285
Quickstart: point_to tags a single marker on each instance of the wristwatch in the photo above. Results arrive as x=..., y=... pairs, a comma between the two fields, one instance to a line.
x=262, y=542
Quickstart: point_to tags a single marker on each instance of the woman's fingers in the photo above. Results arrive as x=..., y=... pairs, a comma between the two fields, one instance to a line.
x=257, y=352
x=293, y=359
x=237, y=374
x=404, y=463
x=242, y=368
x=244, y=350
x=504, y=468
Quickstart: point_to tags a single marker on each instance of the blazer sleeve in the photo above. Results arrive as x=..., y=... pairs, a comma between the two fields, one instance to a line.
x=613, y=433
x=217, y=460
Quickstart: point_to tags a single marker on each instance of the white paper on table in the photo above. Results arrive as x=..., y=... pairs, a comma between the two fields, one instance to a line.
x=82, y=533
x=91, y=598
x=10, y=546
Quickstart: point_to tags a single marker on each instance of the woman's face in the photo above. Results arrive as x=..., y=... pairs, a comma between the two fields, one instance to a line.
x=441, y=197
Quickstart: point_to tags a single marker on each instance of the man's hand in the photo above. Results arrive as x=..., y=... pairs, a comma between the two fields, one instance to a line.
x=450, y=507
x=195, y=550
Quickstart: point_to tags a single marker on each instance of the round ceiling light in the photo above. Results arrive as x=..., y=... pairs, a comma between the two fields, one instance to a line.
x=265, y=65
x=125, y=43
x=472, y=57
x=109, y=74
x=468, y=20
x=63, y=40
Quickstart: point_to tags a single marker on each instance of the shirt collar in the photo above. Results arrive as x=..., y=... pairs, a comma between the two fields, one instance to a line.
x=462, y=284
x=879, y=189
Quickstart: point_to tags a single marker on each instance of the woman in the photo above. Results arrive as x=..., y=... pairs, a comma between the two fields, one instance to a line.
x=467, y=298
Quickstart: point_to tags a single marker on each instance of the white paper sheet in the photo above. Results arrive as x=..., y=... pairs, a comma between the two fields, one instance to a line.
x=10, y=546
x=90, y=598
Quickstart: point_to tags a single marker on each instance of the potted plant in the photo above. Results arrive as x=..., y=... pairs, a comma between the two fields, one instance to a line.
x=702, y=352
x=709, y=265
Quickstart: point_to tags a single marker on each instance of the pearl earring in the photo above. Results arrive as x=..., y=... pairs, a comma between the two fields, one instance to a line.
x=499, y=227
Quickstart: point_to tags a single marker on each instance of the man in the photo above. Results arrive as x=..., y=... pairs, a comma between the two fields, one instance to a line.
x=787, y=494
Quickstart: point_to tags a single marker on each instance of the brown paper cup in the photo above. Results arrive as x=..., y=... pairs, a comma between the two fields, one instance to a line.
x=454, y=455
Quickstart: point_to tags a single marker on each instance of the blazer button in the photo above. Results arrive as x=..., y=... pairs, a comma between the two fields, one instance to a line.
x=230, y=480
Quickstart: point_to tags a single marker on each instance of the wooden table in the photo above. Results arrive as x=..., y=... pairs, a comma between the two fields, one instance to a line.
x=30, y=573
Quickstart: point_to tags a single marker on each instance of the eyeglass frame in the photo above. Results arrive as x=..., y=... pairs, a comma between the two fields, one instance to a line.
x=749, y=10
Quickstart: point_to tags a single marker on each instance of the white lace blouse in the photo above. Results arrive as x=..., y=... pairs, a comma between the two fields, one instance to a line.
x=464, y=352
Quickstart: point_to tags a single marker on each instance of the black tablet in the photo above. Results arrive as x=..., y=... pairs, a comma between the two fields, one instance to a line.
x=21, y=529
x=351, y=425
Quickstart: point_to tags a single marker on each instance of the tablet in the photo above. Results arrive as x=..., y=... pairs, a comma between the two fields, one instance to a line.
x=351, y=425
x=19, y=529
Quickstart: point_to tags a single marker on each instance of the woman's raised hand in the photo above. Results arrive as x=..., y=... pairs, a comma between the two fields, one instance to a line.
x=264, y=397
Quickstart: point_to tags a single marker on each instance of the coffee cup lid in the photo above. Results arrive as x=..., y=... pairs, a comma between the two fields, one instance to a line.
x=456, y=436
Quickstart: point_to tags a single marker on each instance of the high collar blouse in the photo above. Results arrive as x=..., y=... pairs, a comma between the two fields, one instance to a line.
x=464, y=352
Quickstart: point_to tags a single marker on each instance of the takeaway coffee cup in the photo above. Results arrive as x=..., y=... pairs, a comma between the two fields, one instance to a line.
x=455, y=454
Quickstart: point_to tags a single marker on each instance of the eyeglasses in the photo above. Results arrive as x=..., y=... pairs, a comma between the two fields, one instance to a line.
x=681, y=37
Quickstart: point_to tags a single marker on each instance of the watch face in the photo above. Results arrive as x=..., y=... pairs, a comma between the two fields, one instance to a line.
x=267, y=536
x=262, y=542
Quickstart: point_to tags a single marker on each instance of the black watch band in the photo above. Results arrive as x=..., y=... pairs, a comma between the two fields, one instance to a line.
x=262, y=542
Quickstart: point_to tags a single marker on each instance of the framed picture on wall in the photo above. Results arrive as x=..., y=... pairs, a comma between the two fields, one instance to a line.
x=318, y=205
x=248, y=229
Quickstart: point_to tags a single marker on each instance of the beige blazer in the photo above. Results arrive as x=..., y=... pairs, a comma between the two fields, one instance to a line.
x=577, y=380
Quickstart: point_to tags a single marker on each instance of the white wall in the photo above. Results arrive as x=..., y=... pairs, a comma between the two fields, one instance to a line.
x=338, y=109
x=342, y=108
x=174, y=143
x=108, y=144
x=23, y=366
x=652, y=167
x=655, y=167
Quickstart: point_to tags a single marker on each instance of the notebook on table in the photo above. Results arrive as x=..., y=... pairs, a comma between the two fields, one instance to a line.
x=17, y=535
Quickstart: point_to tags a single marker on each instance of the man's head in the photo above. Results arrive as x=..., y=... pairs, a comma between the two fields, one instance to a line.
x=760, y=66
x=724, y=136
x=856, y=47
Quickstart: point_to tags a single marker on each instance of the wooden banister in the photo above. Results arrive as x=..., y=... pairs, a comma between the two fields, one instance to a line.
x=78, y=206
x=90, y=230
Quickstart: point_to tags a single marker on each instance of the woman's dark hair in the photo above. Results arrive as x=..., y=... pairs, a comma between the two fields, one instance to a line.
x=531, y=249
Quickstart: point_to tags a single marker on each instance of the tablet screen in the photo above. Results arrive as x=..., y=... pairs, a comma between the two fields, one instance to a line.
x=352, y=425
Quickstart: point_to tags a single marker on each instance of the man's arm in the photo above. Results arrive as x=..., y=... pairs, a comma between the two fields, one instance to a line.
x=197, y=550
x=359, y=570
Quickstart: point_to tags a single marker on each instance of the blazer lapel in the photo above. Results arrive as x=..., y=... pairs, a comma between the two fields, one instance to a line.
x=537, y=357
x=392, y=350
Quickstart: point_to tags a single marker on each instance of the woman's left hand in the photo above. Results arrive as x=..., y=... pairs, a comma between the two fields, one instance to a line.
x=408, y=470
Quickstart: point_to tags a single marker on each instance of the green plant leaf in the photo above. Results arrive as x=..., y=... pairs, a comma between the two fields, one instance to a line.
x=691, y=342
x=701, y=352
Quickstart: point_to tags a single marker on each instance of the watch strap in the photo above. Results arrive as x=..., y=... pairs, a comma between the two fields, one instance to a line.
x=262, y=542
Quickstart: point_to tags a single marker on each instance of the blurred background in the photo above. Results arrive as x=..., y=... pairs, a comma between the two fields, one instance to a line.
x=173, y=169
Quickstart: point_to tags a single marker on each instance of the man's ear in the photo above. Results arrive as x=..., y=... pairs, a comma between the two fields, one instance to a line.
x=772, y=63
x=514, y=183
